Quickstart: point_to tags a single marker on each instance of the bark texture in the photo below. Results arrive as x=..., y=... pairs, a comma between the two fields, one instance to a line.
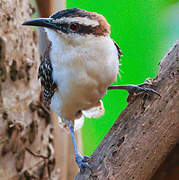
x=169, y=169
x=145, y=132
x=26, y=140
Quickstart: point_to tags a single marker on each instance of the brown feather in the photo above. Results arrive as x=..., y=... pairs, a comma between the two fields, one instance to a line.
x=118, y=50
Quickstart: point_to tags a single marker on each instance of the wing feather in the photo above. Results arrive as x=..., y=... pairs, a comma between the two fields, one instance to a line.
x=45, y=75
x=118, y=50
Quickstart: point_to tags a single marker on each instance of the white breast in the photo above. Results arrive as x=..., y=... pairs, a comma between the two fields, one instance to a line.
x=83, y=68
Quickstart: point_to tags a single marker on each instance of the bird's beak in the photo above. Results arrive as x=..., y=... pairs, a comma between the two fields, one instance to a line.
x=43, y=22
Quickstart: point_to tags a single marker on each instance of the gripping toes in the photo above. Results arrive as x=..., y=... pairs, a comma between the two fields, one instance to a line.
x=138, y=89
x=135, y=89
x=82, y=161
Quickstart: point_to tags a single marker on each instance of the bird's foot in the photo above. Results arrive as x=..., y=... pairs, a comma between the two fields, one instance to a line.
x=82, y=161
x=136, y=89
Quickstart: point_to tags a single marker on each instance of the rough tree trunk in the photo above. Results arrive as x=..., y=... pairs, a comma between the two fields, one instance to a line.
x=26, y=140
x=145, y=132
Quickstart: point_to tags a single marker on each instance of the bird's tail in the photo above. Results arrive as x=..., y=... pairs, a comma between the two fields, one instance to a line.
x=95, y=111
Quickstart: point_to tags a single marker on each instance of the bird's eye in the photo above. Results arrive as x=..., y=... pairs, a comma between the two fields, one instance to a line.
x=74, y=27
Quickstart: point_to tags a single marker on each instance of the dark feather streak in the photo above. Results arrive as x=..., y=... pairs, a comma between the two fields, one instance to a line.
x=45, y=75
x=118, y=50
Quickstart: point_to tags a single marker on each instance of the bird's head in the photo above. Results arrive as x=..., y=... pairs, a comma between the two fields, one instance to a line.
x=74, y=24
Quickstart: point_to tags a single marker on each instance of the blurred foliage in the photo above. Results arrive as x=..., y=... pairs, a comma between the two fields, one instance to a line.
x=144, y=34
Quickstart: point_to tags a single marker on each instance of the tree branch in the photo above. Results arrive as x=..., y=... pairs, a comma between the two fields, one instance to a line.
x=145, y=132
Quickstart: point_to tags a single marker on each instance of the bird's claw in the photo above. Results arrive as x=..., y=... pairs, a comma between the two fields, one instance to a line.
x=135, y=89
x=82, y=161
x=86, y=158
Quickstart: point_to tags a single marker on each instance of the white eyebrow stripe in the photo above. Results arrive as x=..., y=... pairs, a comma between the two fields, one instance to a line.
x=81, y=20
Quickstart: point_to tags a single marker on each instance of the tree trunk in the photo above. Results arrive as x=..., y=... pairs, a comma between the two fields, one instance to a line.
x=26, y=140
x=145, y=132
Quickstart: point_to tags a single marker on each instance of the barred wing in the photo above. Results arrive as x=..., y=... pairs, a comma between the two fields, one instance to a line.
x=45, y=75
x=118, y=49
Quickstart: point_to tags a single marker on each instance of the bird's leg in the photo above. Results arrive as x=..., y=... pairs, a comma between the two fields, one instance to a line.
x=80, y=160
x=135, y=89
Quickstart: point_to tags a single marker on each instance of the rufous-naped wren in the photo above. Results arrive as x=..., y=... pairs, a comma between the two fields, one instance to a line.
x=78, y=67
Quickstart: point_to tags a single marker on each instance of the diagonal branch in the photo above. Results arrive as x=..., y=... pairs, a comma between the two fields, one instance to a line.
x=145, y=132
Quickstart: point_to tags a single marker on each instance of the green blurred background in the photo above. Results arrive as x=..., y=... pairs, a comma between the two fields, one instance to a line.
x=144, y=30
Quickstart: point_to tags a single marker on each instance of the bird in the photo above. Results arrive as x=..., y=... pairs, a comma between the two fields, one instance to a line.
x=78, y=67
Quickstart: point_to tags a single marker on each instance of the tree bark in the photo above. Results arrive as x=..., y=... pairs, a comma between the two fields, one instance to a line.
x=26, y=140
x=145, y=132
x=169, y=169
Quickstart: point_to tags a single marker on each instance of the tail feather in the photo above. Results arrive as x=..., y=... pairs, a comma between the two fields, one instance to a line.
x=95, y=111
